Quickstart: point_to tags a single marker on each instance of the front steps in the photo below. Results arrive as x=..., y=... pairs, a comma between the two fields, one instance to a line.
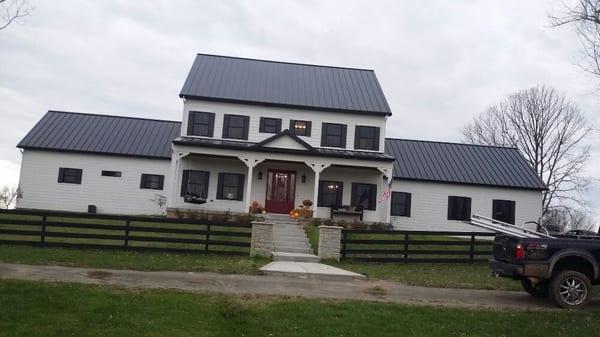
x=289, y=240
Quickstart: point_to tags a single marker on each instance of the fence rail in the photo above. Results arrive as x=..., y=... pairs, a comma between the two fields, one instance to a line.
x=107, y=231
x=416, y=246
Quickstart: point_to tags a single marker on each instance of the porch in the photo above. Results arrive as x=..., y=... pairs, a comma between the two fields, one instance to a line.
x=217, y=181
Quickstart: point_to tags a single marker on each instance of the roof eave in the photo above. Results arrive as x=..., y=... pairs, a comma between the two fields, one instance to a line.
x=532, y=188
x=283, y=105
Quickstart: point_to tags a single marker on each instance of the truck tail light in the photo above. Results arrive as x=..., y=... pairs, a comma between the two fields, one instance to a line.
x=520, y=252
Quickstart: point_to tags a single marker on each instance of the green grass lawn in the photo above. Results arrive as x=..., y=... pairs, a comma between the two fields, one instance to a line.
x=38, y=309
x=312, y=233
x=116, y=259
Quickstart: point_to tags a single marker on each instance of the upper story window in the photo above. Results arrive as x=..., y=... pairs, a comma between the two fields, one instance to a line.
x=152, y=181
x=459, y=208
x=364, y=195
x=504, y=210
x=366, y=138
x=270, y=125
x=300, y=128
x=201, y=123
x=236, y=127
x=333, y=135
x=401, y=204
x=69, y=175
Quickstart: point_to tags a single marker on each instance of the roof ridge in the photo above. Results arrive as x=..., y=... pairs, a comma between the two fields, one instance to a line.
x=112, y=116
x=452, y=143
x=284, y=62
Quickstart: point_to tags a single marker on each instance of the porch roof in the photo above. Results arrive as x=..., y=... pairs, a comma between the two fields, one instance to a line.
x=258, y=147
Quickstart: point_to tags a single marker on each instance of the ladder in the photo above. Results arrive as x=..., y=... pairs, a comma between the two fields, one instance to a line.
x=506, y=228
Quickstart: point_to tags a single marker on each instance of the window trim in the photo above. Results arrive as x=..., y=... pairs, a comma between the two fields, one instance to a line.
x=185, y=182
x=465, y=217
x=227, y=122
x=111, y=174
x=357, y=137
x=307, y=130
x=513, y=209
x=325, y=134
x=372, y=197
x=76, y=181
x=407, y=204
x=144, y=181
x=240, y=187
x=339, y=193
x=191, y=123
x=262, y=126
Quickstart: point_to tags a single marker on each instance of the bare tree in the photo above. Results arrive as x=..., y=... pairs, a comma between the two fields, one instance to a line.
x=549, y=130
x=8, y=196
x=564, y=219
x=584, y=15
x=11, y=10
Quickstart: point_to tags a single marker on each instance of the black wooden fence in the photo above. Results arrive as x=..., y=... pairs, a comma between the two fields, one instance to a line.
x=140, y=233
x=416, y=246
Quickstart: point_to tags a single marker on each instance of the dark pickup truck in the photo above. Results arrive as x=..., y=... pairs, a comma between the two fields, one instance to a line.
x=562, y=267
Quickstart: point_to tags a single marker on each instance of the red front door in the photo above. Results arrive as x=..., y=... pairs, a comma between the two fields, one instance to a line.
x=281, y=190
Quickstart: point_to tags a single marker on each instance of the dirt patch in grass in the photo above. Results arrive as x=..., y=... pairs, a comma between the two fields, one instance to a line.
x=99, y=274
x=376, y=291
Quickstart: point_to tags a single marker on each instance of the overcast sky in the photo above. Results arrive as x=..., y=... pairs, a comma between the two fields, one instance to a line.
x=439, y=62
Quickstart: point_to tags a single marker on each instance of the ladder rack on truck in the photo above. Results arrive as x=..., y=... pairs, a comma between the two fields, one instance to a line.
x=506, y=228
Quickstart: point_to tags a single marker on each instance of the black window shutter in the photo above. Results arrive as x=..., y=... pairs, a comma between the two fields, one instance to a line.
x=161, y=182
x=450, y=207
x=61, y=175
x=220, y=186
x=373, y=198
x=241, y=188
x=324, y=134
x=353, y=196
x=225, y=126
x=512, y=212
x=292, y=124
x=184, y=182
x=206, y=180
x=356, y=137
x=468, y=209
x=320, y=194
x=340, y=194
x=278, y=124
x=376, y=145
x=344, y=130
x=246, y=126
x=261, y=127
x=190, y=129
x=408, y=203
x=143, y=181
x=308, y=127
x=211, y=124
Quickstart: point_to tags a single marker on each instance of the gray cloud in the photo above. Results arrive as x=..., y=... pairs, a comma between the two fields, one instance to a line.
x=439, y=62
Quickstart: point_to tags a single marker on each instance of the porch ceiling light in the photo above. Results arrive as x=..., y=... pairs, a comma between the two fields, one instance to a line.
x=303, y=178
x=259, y=175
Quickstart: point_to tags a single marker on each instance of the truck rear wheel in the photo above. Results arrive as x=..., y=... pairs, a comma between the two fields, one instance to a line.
x=570, y=289
x=539, y=290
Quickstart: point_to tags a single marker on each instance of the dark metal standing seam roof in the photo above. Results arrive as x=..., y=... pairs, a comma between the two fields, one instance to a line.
x=294, y=85
x=114, y=135
x=461, y=163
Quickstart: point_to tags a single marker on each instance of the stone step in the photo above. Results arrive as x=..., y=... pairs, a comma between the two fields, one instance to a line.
x=290, y=238
x=285, y=223
x=295, y=244
x=288, y=249
x=295, y=257
x=310, y=270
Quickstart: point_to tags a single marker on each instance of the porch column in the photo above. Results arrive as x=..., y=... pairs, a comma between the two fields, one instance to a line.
x=174, y=173
x=250, y=163
x=317, y=168
x=388, y=202
x=386, y=205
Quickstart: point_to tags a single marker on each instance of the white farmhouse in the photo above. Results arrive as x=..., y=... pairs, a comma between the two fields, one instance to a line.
x=276, y=133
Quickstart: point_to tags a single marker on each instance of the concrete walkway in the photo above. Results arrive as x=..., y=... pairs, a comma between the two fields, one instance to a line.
x=278, y=285
x=309, y=270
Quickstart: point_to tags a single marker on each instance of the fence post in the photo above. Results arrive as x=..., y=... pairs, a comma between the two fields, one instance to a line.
x=330, y=238
x=207, y=237
x=43, y=235
x=344, y=238
x=127, y=224
x=405, y=247
x=472, y=252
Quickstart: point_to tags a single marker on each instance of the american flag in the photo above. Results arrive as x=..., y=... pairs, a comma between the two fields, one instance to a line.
x=387, y=193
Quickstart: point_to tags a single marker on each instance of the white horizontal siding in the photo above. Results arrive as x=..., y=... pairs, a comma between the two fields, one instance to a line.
x=285, y=114
x=41, y=190
x=429, y=209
